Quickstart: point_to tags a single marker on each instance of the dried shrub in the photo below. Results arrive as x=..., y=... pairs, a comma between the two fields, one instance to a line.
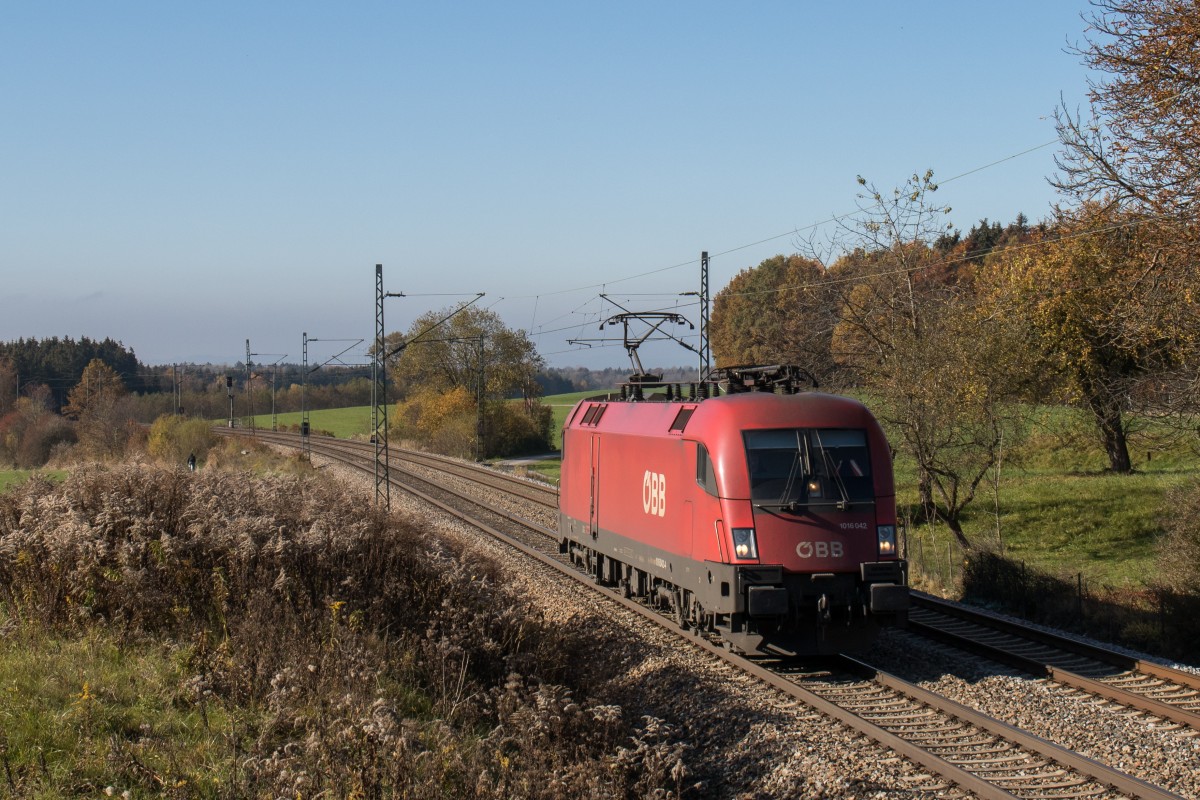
x=40, y=438
x=1179, y=546
x=516, y=429
x=377, y=660
x=173, y=438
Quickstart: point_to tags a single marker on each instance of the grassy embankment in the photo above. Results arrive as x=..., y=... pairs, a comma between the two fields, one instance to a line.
x=1057, y=508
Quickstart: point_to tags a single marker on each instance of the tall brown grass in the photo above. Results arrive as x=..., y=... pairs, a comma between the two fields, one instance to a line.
x=364, y=656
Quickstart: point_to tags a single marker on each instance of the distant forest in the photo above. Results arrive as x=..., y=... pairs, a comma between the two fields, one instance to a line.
x=50, y=368
x=55, y=366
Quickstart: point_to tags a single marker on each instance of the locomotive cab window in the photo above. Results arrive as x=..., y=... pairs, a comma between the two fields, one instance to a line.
x=706, y=476
x=809, y=467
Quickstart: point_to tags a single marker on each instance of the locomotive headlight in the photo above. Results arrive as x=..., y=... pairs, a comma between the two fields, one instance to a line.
x=887, y=540
x=744, y=543
x=814, y=488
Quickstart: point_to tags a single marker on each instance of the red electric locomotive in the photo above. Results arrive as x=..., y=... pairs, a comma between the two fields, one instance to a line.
x=753, y=510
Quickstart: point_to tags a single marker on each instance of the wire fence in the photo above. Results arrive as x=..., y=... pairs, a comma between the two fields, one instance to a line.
x=1153, y=619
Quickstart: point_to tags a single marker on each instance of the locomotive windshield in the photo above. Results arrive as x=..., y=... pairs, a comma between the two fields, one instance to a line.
x=809, y=467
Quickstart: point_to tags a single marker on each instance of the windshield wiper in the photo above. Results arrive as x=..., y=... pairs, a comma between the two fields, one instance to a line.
x=844, y=503
x=799, y=467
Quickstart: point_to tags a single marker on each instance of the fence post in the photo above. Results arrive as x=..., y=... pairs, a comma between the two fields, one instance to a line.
x=1079, y=595
x=1162, y=614
x=1031, y=605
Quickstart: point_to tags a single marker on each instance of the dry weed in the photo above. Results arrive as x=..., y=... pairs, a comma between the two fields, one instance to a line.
x=371, y=658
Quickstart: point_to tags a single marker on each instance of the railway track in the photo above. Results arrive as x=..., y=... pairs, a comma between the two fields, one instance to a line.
x=1164, y=692
x=1008, y=760
x=962, y=750
x=539, y=493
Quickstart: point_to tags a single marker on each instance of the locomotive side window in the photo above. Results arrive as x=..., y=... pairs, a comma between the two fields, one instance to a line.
x=809, y=466
x=706, y=476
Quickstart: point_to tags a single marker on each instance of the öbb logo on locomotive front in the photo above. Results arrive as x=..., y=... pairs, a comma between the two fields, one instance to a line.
x=654, y=493
x=820, y=549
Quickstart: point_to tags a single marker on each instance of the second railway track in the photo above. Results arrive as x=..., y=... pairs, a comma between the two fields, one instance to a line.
x=1165, y=692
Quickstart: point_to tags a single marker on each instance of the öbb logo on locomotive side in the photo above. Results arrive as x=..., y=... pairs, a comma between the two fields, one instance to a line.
x=820, y=549
x=654, y=493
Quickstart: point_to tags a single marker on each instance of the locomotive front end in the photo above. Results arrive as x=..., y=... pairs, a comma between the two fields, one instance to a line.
x=811, y=553
x=823, y=533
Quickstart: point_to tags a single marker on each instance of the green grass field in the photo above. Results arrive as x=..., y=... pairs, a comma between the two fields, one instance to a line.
x=344, y=423
x=1100, y=525
x=1059, y=509
x=13, y=477
x=9, y=478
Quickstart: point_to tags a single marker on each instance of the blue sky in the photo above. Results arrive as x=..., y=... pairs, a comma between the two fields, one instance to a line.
x=182, y=177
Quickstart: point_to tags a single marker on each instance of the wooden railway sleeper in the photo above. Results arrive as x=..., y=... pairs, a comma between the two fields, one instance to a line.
x=925, y=732
x=896, y=703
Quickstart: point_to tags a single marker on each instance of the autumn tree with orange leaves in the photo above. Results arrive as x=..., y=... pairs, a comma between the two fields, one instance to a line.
x=98, y=386
x=446, y=363
x=1139, y=151
x=96, y=403
x=1110, y=314
x=780, y=312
